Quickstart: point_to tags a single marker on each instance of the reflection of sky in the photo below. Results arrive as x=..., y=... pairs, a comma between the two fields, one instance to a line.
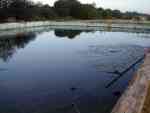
x=124, y=5
x=117, y=38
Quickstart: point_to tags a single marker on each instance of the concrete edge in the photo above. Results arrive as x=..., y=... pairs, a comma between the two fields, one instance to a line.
x=145, y=108
x=7, y=26
x=133, y=98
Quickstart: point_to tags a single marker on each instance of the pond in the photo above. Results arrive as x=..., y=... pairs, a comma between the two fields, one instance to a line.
x=67, y=71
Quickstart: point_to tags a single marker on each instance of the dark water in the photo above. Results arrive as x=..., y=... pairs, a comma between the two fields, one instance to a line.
x=63, y=71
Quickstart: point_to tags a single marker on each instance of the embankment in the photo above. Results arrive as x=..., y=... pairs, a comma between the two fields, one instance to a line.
x=133, y=99
x=77, y=24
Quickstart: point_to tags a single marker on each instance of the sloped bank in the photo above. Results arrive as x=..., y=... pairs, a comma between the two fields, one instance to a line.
x=133, y=99
x=77, y=24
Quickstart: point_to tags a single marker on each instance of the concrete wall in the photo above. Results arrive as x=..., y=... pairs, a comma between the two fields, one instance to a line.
x=133, y=99
x=86, y=24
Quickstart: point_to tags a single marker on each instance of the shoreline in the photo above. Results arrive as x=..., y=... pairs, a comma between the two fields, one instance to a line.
x=134, y=97
x=7, y=29
x=87, y=24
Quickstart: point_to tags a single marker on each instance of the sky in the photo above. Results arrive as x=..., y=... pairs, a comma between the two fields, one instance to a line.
x=123, y=5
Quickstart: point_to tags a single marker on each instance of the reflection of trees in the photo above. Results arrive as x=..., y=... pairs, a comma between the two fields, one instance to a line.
x=9, y=45
x=67, y=33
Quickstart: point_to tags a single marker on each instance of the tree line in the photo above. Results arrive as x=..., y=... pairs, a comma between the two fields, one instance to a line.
x=27, y=10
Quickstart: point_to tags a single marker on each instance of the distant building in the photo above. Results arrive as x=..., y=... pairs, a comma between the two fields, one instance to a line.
x=5, y=3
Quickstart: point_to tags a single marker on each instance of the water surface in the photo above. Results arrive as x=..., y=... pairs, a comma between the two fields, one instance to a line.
x=67, y=71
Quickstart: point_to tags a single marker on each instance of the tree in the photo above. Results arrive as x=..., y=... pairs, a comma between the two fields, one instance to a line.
x=107, y=14
x=65, y=8
x=100, y=12
x=27, y=10
x=18, y=8
x=116, y=14
x=88, y=11
x=67, y=33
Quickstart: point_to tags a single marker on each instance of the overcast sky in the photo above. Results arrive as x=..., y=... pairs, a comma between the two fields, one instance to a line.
x=123, y=5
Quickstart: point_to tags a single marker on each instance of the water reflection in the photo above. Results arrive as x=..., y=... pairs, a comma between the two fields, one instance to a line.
x=57, y=75
x=10, y=44
x=67, y=33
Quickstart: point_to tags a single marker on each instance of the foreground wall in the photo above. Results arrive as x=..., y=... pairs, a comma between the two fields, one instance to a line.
x=133, y=99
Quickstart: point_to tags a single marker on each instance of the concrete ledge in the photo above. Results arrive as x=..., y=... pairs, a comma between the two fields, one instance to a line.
x=133, y=99
x=87, y=24
x=146, y=107
x=14, y=28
